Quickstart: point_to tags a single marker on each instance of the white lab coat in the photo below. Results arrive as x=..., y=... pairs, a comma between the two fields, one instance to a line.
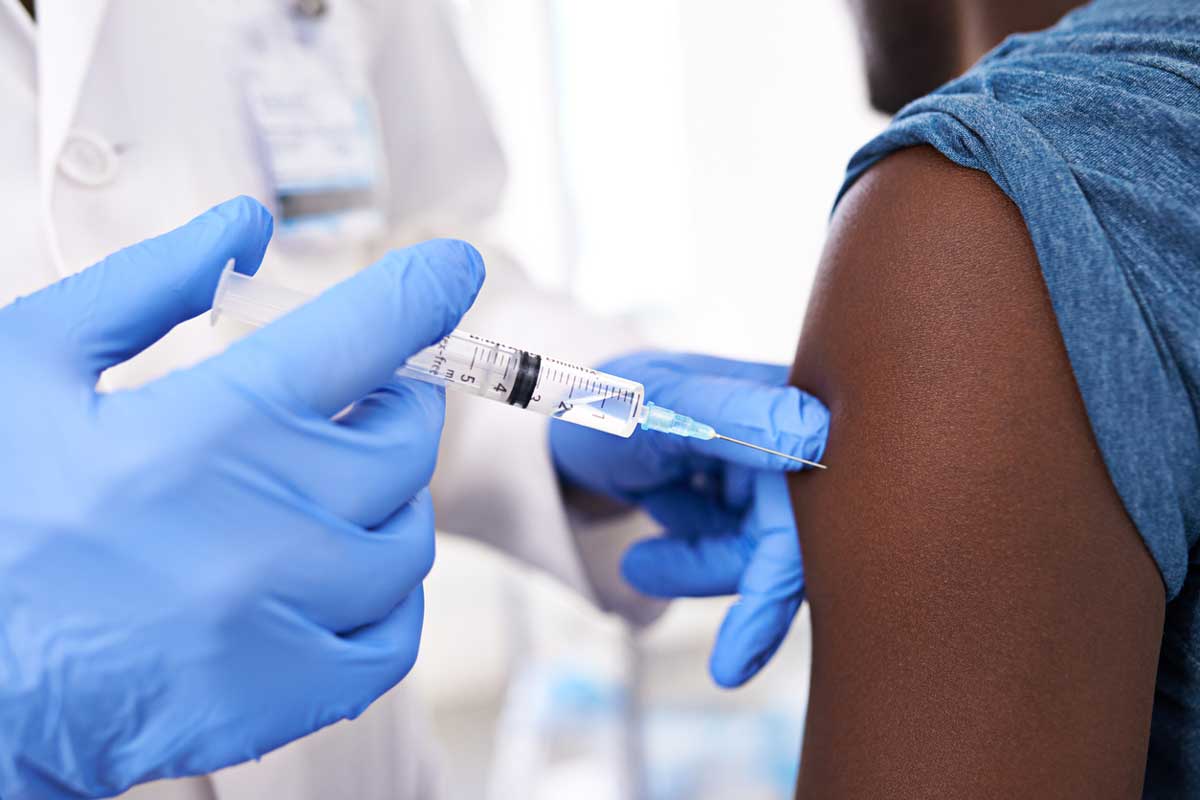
x=124, y=118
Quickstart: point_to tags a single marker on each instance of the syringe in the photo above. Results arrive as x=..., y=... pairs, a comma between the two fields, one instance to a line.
x=496, y=371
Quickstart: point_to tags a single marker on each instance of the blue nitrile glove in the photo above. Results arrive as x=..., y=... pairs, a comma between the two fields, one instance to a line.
x=200, y=570
x=729, y=523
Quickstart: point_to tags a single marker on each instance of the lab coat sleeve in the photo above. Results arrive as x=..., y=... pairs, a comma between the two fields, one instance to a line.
x=496, y=481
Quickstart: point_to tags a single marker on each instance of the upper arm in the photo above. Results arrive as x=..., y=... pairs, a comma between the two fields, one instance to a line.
x=986, y=619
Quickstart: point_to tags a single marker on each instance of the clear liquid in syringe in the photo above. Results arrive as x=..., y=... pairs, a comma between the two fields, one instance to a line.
x=517, y=377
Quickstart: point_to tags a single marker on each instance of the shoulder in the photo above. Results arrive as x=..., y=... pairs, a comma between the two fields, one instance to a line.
x=922, y=248
x=966, y=519
x=1082, y=149
x=917, y=198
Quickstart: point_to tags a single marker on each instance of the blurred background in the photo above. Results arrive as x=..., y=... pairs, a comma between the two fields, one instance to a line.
x=672, y=163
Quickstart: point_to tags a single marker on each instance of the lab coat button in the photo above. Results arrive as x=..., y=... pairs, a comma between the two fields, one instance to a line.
x=88, y=159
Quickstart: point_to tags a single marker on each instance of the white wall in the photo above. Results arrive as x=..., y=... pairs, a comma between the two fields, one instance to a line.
x=676, y=159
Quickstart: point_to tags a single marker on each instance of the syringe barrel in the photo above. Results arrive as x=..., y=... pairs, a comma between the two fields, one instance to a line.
x=468, y=363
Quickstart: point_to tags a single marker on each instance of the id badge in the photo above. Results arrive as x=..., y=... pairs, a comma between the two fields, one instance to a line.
x=317, y=132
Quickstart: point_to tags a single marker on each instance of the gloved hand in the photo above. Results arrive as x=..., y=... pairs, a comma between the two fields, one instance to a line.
x=200, y=570
x=728, y=520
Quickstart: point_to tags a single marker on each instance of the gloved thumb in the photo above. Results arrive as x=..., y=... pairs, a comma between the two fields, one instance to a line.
x=113, y=310
x=771, y=591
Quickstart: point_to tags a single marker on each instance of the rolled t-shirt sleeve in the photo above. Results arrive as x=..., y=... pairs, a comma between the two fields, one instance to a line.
x=1099, y=151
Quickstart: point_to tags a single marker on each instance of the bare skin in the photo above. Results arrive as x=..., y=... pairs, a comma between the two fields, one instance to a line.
x=911, y=47
x=986, y=620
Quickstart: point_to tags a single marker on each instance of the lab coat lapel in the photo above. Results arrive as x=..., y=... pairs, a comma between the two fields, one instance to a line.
x=17, y=42
x=67, y=32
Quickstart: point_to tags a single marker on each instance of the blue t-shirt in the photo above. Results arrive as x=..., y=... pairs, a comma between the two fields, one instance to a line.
x=1093, y=129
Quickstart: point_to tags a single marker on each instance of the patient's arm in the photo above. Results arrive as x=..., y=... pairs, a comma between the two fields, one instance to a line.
x=986, y=619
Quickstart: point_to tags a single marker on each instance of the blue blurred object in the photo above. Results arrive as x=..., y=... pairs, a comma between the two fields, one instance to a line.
x=200, y=570
x=728, y=518
x=699, y=753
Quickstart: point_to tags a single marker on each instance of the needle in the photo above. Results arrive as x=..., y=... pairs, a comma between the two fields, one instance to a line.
x=772, y=452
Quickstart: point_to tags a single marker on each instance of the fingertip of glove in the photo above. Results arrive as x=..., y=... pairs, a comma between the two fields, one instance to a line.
x=250, y=224
x=728, y=674
x=473, y=257
x=446, y=273
x=811, y=408
x=745, y=643
x=637, y=563
x=801, y=422
x=457, y=256
x=244, y=210
x=818, y=417
x=735, y=659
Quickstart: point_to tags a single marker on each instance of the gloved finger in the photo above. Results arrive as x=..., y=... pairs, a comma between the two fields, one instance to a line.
x=361, y=575
x=377, y=455
x=378, y=656
x=688, y=510
x=617, y=467
x=345, y=343
x=750, y=635
x=695, y=364
x=371, y=460
x=120, y=306
x=737, y=487
x=771, y=589
x=781, y=418
x=669, y=566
